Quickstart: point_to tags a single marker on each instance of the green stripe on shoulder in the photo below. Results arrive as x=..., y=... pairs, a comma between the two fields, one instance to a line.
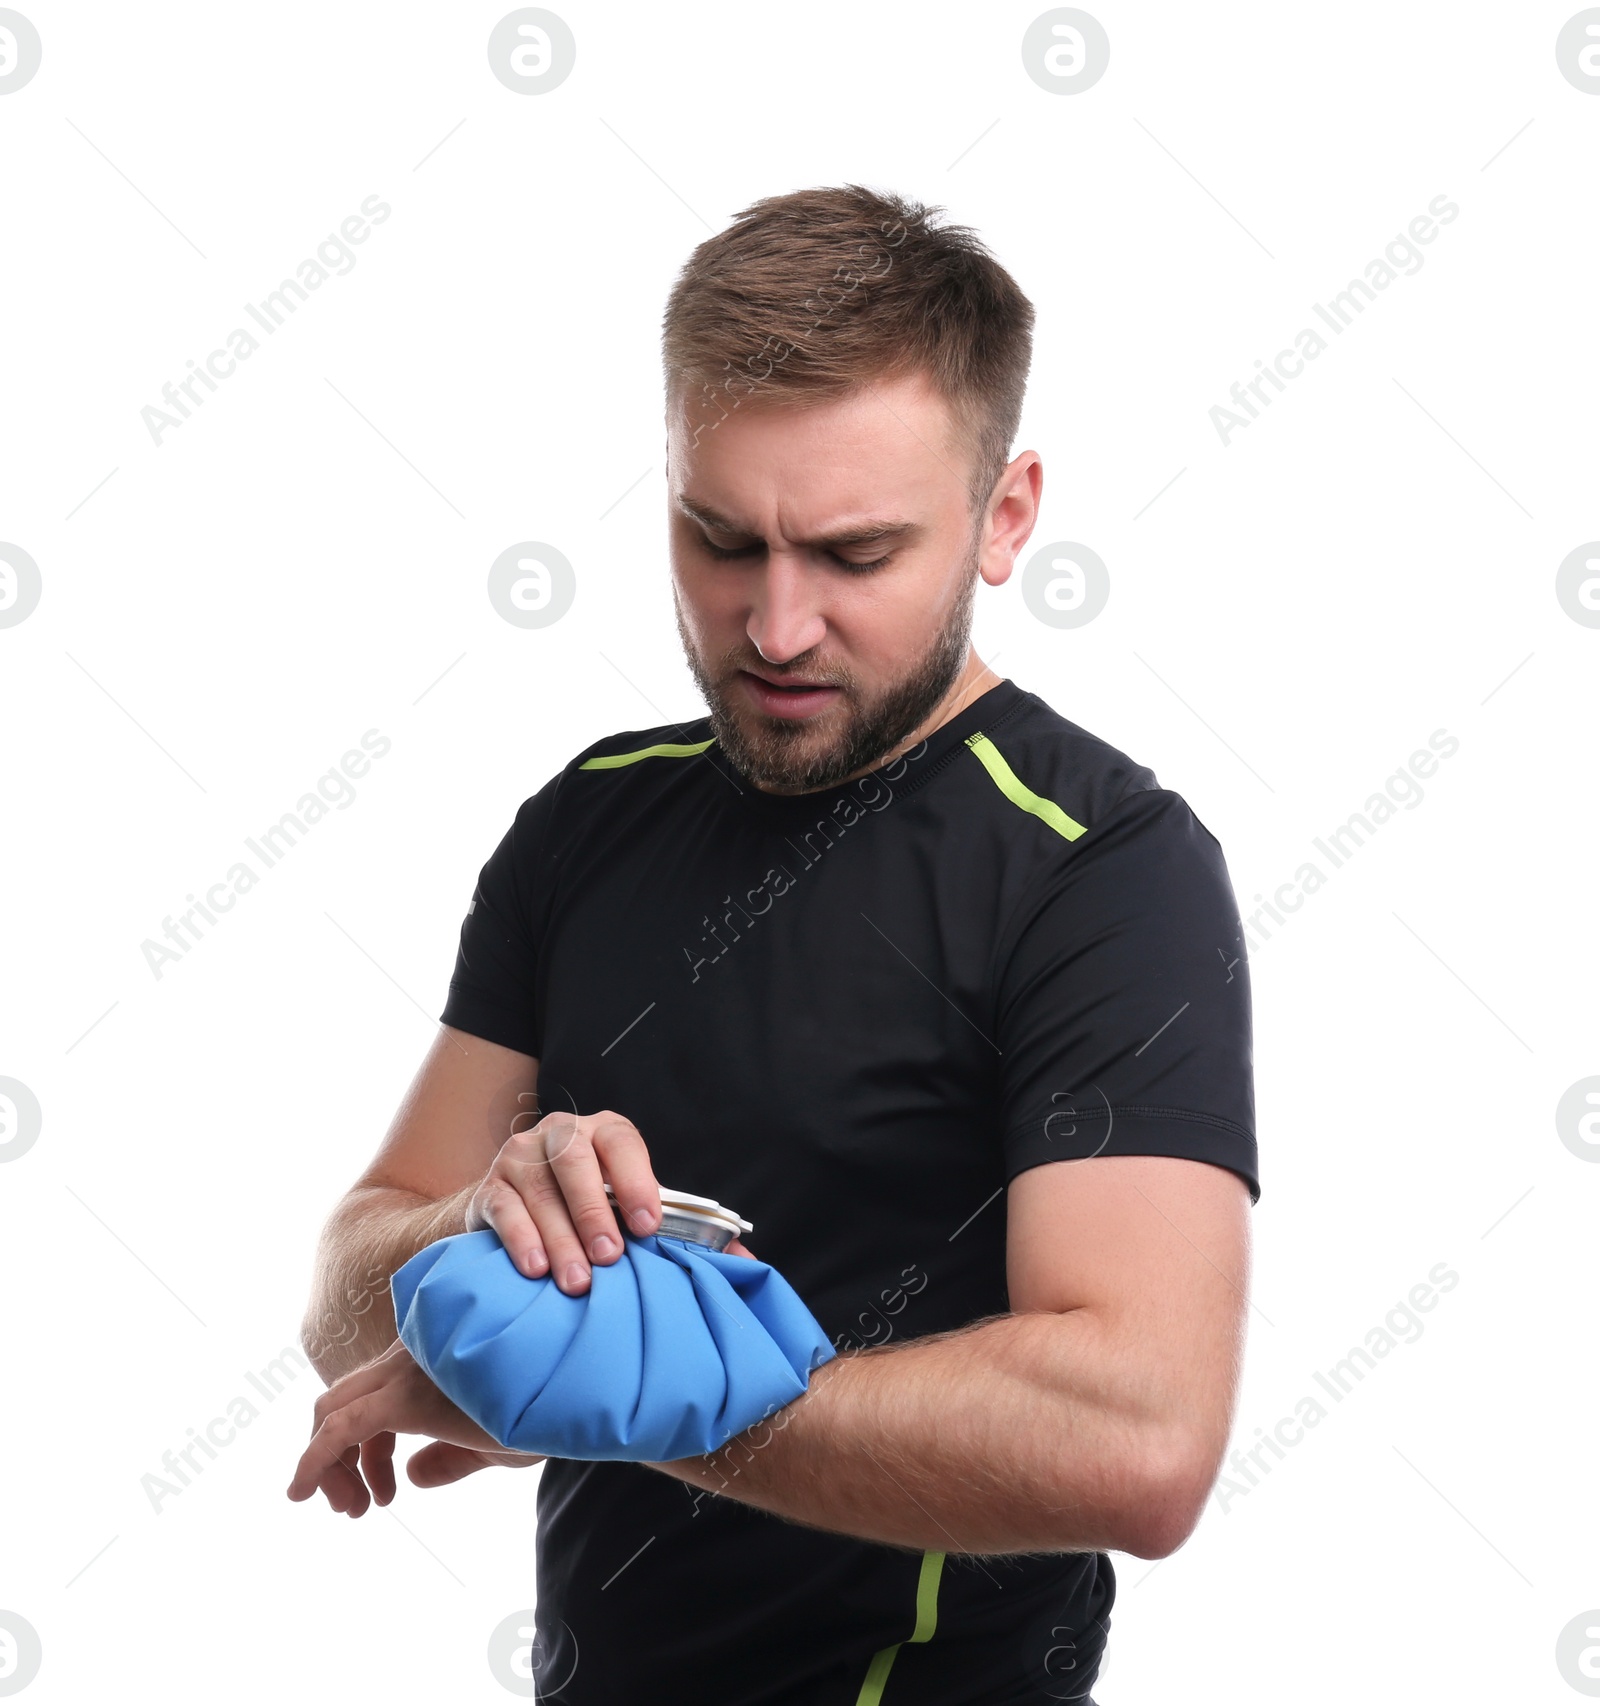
x=1018, y=792
x=615, y=760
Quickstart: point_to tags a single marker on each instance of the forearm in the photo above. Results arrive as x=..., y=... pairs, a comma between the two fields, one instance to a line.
x=374, y=1231
x=1021, y=1433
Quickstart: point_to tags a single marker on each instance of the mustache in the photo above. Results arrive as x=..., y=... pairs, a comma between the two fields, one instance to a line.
x=796, y=669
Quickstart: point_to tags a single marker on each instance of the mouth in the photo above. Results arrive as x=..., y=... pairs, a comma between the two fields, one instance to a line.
x=791, y=700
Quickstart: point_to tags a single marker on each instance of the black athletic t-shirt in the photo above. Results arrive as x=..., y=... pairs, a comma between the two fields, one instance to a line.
x=853, y=1016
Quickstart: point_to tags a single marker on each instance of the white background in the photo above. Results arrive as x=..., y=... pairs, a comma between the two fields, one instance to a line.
x=306, y=559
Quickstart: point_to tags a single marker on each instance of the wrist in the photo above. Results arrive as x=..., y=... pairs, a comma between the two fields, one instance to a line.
x=453, y=1214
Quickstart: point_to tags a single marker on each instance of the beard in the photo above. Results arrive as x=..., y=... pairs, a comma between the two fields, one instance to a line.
x=782, y=755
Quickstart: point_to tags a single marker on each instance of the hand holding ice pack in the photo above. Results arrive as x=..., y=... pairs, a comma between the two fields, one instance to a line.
x=673, y=1350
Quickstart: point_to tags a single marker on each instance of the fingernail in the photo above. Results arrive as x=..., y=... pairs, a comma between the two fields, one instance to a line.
x=643, y=1219
x=575, y=1274
x=603, y=1247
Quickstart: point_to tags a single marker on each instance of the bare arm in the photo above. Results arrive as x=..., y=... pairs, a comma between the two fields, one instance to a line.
x=466, y=1100
x=468, y=1149
x=1095, y=1416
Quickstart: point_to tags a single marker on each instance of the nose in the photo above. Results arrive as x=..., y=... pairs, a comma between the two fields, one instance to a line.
x=785, y=620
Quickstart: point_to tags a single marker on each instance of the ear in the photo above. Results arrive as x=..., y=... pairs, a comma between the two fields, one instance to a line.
x=995, y=567
x=1013, y=517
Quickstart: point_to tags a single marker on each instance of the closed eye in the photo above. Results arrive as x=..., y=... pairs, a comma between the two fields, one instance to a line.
x=718, y=554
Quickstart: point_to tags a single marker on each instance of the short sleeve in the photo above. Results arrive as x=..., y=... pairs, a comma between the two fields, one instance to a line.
x=494, y=989
x=1123, y=1000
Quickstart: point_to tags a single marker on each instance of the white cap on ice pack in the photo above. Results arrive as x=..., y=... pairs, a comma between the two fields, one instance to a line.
x=702, y=1211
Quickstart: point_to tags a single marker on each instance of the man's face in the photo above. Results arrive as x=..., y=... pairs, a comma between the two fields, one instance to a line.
x=824, y=560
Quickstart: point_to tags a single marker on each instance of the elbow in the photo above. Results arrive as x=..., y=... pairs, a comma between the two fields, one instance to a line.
x=1167, y=1505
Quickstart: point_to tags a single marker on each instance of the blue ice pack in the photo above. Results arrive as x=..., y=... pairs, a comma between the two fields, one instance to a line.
x=674, y=1348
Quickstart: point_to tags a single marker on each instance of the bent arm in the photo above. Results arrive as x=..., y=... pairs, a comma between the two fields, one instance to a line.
x=464, y=1103
x=1007, y=1436
x=1093, y=1418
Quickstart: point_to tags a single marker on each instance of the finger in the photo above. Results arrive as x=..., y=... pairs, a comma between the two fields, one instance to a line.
x=579, y=1166
x=356, y=1384
x=736, y=1247
x=625, y=1161
x=569, y=1179
x=343, y=1487
x=361, y=1500
x=332, y=1475
x=524, y=1161
x=342, y=1430
x=439, y=1464
x=503, y=1209
x=443, y=1461
x=377, y=1464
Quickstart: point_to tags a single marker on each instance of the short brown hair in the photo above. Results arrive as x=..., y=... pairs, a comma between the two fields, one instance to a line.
x=808, y=296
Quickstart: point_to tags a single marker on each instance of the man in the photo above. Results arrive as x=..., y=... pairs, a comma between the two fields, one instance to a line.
x=943, y=993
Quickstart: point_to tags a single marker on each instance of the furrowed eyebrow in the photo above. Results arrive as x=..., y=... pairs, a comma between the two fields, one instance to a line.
x=866, y=533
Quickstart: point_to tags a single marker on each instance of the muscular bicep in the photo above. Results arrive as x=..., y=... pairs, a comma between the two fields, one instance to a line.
x=1157, y=1247
x=467, y=1098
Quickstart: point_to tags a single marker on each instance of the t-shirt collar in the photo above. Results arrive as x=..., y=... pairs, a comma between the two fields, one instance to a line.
x=900, y=774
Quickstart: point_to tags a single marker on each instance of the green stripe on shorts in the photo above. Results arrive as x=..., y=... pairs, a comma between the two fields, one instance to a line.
x=927, y=1621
